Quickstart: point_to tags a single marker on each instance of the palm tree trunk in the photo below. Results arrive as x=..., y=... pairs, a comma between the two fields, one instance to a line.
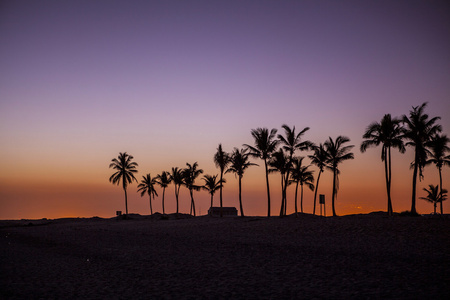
x=440, y=188
x=435, y=207
x=126, y=201
x=192, y=201
x=152, y=204
x=164, y=189
x=386, y=173
x=211, y=201
x=150, y=201
x=413, y=198
x=268, y=191
x=286, y=181
x=221, y=204
x=282, y=195
x=190, y=193
x=296, y=209
x=334, y=192
x=176, y=197
x=390, y=185
x=240, y=196
x=301, y=198
x=285, y=199
x=315, y=192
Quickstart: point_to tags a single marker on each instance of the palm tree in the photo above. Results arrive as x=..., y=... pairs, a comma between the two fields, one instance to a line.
x=438, y=147
x=301, y=175
x=388, y=133
x=265, y=145
x=291, y=143
x=238, y=164
x=418, y=131
x=176, y=177
x=189, y=175
x=163, y=180
x=319, y=158
x=279, y=163
x=125, y=170
x=211, y=185
x=434, y=195
x=337, y=153
x=147, y=185
x=221, y=160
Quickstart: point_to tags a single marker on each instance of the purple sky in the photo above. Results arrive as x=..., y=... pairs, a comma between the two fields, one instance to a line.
x=168, y=80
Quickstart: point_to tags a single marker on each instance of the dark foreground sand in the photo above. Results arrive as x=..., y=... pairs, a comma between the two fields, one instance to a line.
x=361, y=257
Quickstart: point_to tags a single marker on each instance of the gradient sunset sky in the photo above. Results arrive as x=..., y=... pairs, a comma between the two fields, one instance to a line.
x=167, y=81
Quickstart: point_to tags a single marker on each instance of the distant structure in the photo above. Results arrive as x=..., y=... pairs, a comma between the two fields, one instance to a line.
x=322, y=202
x=226, y=211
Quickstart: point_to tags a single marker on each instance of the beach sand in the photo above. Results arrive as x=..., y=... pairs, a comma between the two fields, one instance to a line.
x=362, y=256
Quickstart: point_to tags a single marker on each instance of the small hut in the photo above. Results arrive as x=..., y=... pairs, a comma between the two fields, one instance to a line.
x=226, y=211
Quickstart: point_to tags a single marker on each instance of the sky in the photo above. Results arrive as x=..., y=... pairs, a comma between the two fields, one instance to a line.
x=167, y=81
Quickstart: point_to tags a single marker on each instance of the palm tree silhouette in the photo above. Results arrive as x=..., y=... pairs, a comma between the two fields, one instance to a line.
x=337, y=153
x=319, y=158
x=211, y=185
x=163, y=180
x=176, y=176
x=238, y=164
x=418, y=131
x=221, y=160
x=301, y=175
x=147, y=185
x=388, y=133
x=434, y=195
x=125, y=170
x=291, y=143
x=279, y=162
x=189, y=175
x=265, y=145
x=438, y=148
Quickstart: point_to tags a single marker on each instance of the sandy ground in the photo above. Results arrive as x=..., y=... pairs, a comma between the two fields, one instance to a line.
x=361, y=257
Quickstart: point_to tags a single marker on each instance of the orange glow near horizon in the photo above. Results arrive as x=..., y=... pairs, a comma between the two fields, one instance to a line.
x=361, y=191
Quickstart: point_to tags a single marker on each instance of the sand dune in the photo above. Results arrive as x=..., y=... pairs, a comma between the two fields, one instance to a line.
x=364, y=256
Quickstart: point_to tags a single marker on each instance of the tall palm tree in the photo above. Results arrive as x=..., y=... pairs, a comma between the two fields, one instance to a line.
x=147, y=185
x=238, y=164
x=265, y=145
x=163, y=180
x=189, y=175
x=176, y=177
x=337, y=153
x=319, y=158
x=290, y=143
x=438, y=149
x=301, y=175
x=211, y=185
x=221, y=160
x=388, y=133
x=418, y=131
x=434, y=195
x=125, y=169
x=279, y=162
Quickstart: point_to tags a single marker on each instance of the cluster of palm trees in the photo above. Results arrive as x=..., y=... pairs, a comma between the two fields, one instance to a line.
x=178, y=177
x=283, y=160
x=279, y=155
x=236, y=163
x=420, y=132
x=327, y=155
